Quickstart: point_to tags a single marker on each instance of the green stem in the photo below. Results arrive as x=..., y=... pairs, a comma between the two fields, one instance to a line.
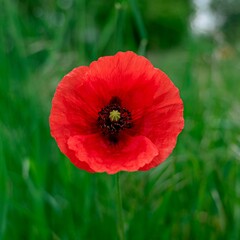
x=120, y=223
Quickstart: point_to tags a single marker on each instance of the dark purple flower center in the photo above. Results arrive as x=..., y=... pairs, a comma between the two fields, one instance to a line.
x=114, y=118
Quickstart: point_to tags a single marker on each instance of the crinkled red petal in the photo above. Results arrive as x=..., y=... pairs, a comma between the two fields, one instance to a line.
x=129, y=155
x=126, y=75
x=163, y=121
x=68, y=116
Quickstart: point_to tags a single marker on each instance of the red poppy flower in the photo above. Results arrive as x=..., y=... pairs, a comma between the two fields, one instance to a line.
x=118, y=114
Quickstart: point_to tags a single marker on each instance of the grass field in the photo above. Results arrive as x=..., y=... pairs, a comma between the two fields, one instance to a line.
x=194, y=194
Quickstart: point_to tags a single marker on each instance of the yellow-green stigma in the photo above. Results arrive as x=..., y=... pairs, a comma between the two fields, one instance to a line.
x=114, y=115
x=113, y=119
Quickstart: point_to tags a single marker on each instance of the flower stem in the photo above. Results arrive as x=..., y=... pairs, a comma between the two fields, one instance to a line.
x=120, y=223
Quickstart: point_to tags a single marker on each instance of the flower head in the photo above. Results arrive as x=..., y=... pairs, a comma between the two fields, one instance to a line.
x=118, y=114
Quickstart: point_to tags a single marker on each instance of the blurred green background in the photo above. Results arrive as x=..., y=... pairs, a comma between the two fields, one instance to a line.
x=194, y=194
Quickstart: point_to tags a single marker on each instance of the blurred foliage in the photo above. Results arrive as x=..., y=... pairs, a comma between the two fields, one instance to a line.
x=166, y=21
x=229, y=12
x=103, y=21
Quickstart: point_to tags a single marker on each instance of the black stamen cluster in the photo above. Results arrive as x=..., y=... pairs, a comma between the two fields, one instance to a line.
x=110, y=129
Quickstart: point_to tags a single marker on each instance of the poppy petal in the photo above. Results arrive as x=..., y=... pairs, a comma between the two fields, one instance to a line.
x=65, y=118
x=163, y=121
x=127, y=76
x=130, y=155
